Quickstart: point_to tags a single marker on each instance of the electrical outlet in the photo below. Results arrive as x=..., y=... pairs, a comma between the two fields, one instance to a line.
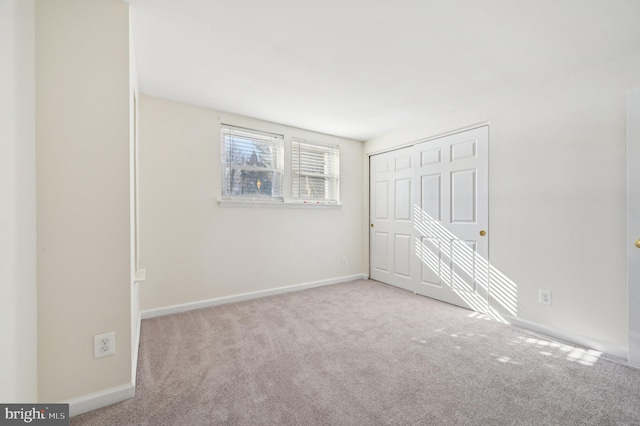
x=544, y=297
x=104, y=344
x=343, y=262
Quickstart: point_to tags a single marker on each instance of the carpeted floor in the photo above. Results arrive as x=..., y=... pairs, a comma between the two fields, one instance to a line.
x=363, y=353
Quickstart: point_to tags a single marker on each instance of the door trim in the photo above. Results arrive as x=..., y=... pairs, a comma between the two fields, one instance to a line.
x=633, y=224
x=430, y=138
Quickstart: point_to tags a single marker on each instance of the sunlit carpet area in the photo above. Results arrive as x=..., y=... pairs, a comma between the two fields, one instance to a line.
x=364, y=353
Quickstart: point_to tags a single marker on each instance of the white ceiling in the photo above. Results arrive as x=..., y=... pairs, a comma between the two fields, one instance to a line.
x=361, y=68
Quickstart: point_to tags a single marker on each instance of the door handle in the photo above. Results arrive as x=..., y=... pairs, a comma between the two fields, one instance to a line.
x=637, y=242
x=483, y=233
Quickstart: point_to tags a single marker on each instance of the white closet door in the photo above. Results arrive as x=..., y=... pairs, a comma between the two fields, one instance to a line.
x=451, y=218
x=392, y=244
x=430, y=216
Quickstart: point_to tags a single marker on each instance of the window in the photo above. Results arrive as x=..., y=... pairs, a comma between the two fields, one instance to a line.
x=315, y=171
x=252, y=164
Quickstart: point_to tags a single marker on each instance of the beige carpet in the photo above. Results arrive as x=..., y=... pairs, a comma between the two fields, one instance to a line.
x=363, y=353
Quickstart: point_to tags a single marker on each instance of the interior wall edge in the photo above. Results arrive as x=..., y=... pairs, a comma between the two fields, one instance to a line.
x=18, y=252
x=633, y=223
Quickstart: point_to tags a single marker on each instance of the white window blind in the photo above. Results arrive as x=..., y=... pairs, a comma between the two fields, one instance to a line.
x=252, y=164
x=315, y=170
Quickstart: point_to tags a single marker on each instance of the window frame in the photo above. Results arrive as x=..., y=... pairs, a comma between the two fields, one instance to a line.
x=332, y=176
x=275, y=140
x=284, y=168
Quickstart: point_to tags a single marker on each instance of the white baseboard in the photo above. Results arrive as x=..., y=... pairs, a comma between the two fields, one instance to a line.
x=100, y=399
x=617, y=351
x=184, y=307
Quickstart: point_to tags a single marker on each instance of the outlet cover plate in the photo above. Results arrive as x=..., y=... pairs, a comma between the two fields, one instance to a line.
x=544, y=297
x=104, y=344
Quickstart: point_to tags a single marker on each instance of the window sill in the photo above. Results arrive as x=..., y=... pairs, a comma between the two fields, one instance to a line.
x=277, y=205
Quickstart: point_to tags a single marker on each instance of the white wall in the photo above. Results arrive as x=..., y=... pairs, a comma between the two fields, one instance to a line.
x=18, y=296
x=193, y=249
x=84, y=274
x=556, y=194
